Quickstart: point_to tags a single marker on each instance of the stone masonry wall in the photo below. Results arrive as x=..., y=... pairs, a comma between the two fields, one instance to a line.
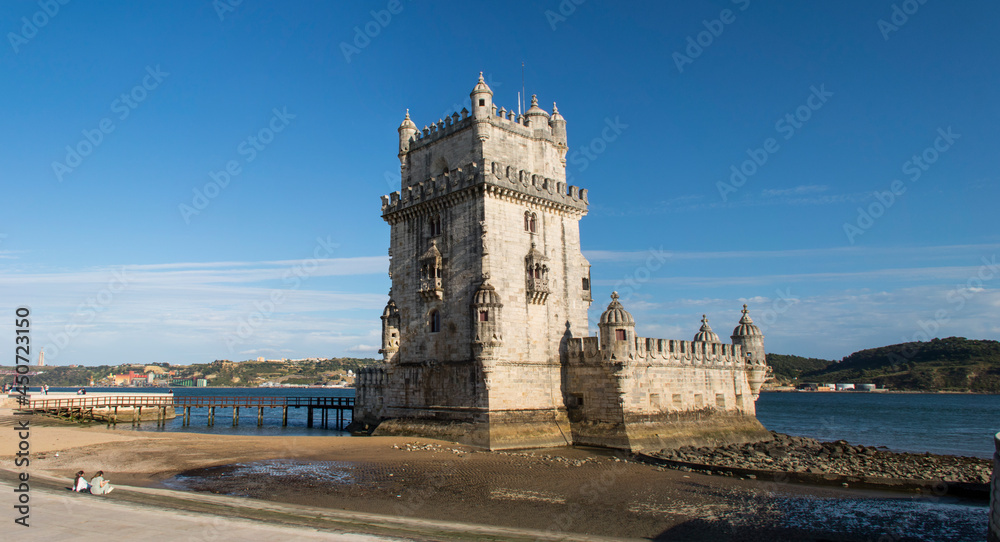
x=994, y=532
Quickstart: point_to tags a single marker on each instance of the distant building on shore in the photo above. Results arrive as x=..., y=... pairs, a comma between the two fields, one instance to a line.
x=485, y=337
x=41, y=357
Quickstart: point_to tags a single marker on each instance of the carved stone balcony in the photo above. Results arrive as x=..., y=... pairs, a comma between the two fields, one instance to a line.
x=431, y=289
x=538, y=290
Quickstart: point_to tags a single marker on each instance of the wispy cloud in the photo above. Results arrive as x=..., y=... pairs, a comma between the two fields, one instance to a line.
x=796, y=196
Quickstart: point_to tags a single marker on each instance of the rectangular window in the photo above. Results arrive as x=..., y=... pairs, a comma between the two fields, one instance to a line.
x=484, y=316
x=654, y=400
x=698, y=403
x=677, y=399
x=482, y=103
x=586, y=283
x=720, y=400
x=620, y=334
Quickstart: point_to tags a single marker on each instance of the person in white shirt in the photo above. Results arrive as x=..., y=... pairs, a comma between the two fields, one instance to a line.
x=80, y=483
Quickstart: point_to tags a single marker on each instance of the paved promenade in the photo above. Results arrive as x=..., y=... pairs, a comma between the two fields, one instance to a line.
x=133, y=513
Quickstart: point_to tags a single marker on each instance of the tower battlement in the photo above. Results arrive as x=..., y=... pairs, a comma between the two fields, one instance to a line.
x=507, y=181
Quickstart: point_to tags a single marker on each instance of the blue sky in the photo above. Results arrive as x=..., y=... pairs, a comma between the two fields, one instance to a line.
x=864, y=132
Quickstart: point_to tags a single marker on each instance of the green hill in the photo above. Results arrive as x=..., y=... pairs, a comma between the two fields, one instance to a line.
x=787, y=368
x=951, y=364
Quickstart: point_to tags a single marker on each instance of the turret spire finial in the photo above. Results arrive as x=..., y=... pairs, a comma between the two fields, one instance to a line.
x=481, y=77
x=534, y=100
x=614, y=296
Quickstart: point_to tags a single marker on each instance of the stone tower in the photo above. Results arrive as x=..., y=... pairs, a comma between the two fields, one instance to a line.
x=484, y=335
x=488, y=281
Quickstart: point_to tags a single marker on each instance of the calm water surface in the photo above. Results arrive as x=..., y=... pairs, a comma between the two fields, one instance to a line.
x=939, y=423
x=950, y=424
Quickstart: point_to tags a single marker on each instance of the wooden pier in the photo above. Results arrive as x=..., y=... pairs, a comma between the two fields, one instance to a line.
x=82, y=408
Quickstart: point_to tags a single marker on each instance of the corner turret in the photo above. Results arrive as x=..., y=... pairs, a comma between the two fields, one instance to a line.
x=751, y=339
x=617, y=332
x=486, y=311
x=390, y=332
x=407, y=130
x=482, y=108
x=558, y=125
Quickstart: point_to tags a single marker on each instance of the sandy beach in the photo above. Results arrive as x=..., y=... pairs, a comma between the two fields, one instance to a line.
x=572, y=490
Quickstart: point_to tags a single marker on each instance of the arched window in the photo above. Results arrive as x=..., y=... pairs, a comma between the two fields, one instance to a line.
x=529, y=221
x=435, y=225
x=435, y=322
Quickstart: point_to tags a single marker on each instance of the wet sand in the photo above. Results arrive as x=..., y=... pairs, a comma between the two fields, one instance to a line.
x=575, y=490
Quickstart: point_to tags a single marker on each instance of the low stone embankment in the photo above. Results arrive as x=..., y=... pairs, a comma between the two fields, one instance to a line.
x=790, y=454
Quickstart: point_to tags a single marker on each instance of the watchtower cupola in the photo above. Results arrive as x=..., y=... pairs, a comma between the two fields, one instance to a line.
x=617, y=331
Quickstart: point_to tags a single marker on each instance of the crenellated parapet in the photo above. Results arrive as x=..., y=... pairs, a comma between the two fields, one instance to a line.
x=497, y=179
x=439, y=130
x=587, y=351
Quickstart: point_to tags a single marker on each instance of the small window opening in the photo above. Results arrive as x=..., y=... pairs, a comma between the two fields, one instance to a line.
x=435, y=322
x=482, y=102
x=620, y=334
x=484, y=316
x=586, y=283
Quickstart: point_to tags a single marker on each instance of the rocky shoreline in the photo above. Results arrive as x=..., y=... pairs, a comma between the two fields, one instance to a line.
x=789, y=454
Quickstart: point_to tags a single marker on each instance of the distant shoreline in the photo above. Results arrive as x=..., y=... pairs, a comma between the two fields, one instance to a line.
x=852, y=392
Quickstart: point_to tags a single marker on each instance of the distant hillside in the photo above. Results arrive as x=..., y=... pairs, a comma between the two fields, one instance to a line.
x=951, y=364
x=787, y=368
x=218, y=373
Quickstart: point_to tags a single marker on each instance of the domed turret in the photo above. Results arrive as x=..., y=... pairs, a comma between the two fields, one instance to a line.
x=536, y=116
x=746, y=327
x=705, y=334
x=486, y=312
x=486, y=296
x=616, y=314
x=748, y=336
x=482, y=99
x=406, y=131
x=558, y=125
x=617, y=331
x=390, y=331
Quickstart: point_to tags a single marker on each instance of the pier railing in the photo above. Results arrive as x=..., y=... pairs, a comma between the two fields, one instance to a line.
x=82, y=407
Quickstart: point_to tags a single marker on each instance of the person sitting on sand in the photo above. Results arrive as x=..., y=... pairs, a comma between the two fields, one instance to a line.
x=80, y=483
x=100, y=486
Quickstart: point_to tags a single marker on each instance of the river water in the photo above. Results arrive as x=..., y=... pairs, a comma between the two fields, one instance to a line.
x=952, y=424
